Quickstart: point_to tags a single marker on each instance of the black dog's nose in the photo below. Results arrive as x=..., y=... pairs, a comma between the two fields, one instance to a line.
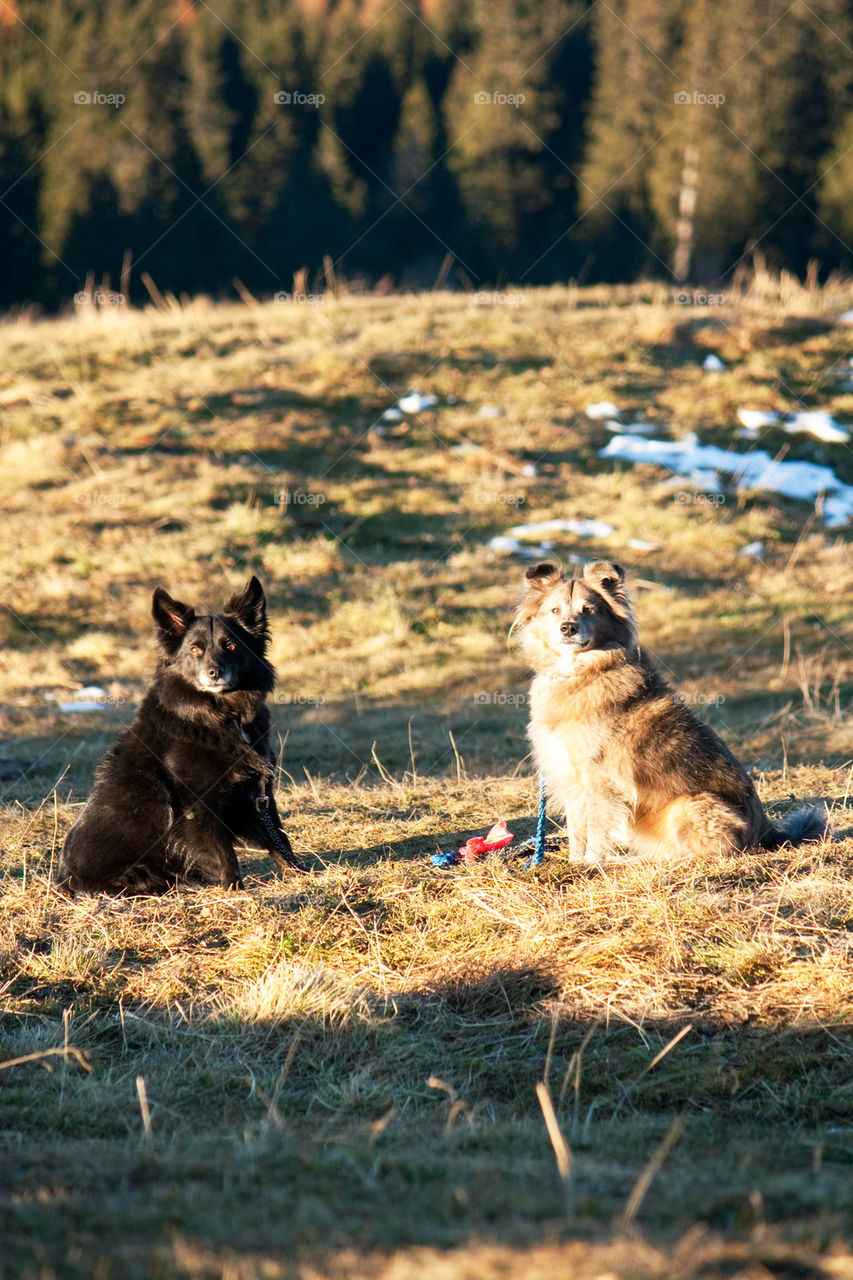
x=568, y=628
x=213, y=673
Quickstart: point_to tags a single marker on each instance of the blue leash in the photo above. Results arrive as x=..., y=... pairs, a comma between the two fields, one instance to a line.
x=538, y=840
x=539, y=849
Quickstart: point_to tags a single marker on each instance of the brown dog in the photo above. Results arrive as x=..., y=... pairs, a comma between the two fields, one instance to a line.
x=620, y=753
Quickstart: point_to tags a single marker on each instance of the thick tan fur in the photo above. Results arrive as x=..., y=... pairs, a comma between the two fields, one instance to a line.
x=622, y=756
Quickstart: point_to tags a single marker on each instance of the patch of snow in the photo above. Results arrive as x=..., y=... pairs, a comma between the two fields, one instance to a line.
x=814, y=422
x=392, y=415
x=756, y=471
x=755, y=419
x=705, y=481
x=603, y=409
x=502, y=543
x=817, y=423
x=414, y=402
x=581, y=528
x=637, y=544
x=490, y=411
x=713, y=364
x=838, y=508
x=92, y=698
x=754, y=549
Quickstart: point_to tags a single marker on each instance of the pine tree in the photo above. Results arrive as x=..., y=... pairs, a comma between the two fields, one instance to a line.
x=752, y=113
x=203, y=175
x=634, y=84
x=835, y=192
x=503, y=119
x=22, y=133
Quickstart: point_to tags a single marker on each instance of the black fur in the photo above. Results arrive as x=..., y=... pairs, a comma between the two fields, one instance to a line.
x=795, y=828
x=187, y=779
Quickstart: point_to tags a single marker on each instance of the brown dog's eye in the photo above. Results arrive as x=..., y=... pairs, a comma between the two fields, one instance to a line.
x=556, y=609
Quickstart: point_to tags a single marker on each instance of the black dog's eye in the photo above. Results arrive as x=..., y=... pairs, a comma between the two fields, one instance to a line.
x=230, y=646
x=196, y=650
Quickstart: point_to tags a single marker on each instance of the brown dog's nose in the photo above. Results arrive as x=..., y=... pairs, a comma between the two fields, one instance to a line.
x=568, y=628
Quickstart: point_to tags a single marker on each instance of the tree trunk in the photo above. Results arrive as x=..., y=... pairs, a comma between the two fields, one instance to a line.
x=686, y=213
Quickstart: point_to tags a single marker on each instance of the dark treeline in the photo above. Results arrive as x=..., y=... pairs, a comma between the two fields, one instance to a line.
x=473, y=141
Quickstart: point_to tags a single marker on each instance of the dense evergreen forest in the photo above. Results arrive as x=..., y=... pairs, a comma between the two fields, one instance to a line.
x=470, y=142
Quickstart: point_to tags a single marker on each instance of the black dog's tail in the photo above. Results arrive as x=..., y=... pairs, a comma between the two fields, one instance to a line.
x=801, y=825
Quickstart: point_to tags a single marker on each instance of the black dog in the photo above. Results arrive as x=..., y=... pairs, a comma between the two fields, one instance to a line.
x=194, y=771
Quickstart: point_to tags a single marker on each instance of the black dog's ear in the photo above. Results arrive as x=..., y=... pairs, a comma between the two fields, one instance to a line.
x=171, y=618
x=539, y=577
x=249, y=607
x=603, y=574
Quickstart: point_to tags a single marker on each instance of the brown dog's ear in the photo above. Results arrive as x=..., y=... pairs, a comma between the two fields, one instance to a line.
x=171, y=618
x=539, y=577
x=610, y=577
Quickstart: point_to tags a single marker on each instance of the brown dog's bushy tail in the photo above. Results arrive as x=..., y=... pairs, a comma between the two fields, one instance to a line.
x=797, y=827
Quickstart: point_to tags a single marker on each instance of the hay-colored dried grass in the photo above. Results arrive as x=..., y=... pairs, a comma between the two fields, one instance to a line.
x=340, y=1066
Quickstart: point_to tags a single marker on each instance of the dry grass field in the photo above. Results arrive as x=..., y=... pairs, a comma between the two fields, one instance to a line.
x=378, y=1068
